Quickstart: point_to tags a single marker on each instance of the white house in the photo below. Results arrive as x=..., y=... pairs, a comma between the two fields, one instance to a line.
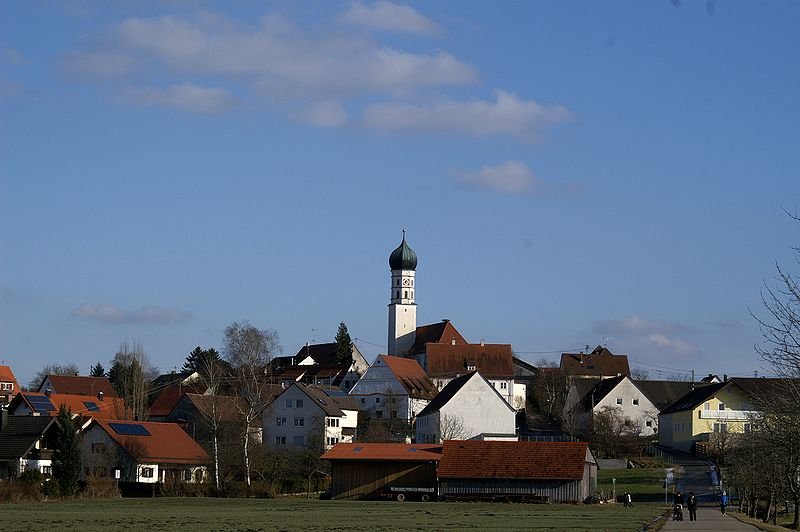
x=393, y=388
x=587, y=397
x=26, y=443
x=469, y=407
x=302, y=412
x=141, y=451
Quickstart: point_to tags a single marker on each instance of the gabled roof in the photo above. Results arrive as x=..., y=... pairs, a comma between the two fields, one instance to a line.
x=332, y=405
x=435, y=333
x=395, y=452
x=758, y=389
x=226, y=406
x=174, y=379
x=166, y=443
x=491, y=360
x=79, y=385
x=319, y=353
x=600, y=362
x=19, y=433
x=513, y=459
x=108, y=408
x=664, y=393
x=6, y=375
x=170, y=396
x=453, y=387
x=600, y=390
x=411, y=376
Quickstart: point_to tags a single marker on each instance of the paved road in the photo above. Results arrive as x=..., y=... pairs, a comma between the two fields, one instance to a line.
x=708, y=518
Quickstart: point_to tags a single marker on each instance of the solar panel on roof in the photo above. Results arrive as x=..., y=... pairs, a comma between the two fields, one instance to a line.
x=41, y=403
x=129, y=429
x=92, y=406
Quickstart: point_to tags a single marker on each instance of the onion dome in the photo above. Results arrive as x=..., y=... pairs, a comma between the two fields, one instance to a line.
x=403, y=258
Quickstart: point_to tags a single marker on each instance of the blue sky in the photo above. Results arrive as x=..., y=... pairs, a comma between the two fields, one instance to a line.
x=569, y=173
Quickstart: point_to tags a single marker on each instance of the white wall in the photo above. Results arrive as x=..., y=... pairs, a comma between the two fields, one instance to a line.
x=639, y=414
x=310, y=419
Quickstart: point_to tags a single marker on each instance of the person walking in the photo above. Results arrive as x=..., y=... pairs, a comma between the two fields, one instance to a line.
x=723, y=502
x=691, y=502
x=626, y=500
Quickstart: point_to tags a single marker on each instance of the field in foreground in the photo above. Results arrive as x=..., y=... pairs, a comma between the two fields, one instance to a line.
x=300, y=514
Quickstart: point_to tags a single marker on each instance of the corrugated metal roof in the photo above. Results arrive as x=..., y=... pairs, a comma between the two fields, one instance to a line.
x=507, y=459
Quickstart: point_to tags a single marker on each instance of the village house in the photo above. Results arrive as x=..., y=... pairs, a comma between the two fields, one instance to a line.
x=8, y=385
x=142, y=451
x=467, y=407
x=77, y=385
x=303, y=412
x=26, y=442
x=393, y=388
x=713, y=409
x=600, y=363
x=317, y=364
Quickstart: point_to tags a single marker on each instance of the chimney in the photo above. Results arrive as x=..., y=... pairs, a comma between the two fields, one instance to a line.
x=48, y=391
x=3, y=416
x=101, y=395
x=724, y=377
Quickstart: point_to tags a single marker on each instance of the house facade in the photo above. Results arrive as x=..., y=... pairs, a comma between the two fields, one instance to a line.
x=142, y=452
x=467, y=407
x=303, y=412
x=26, y=442
x=8, y=385
x=393, y=388
x=724, y=407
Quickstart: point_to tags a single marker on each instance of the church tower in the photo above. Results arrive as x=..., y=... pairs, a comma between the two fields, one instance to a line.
x=402, y=309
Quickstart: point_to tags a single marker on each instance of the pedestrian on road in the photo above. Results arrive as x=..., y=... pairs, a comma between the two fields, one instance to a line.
x=626, y=500
x=679, y=498
x=691, y=502
x=723, y=502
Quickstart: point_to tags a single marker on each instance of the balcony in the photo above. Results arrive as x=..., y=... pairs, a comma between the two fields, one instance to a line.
x=728, y=415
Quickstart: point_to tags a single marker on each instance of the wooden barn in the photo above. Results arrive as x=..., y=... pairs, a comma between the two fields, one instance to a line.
x=377, y=470
x=524, y=470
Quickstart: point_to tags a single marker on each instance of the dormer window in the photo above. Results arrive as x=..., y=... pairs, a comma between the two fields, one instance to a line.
x=471, y=367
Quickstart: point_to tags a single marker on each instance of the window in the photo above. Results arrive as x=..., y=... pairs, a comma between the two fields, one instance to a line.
x=289, y=403
x=648, y=423
x=298, y=441
x=98, y=448
x=299, y=422
x=332, y=421
x=379, y=414
x=363, y=400
x=397, y=294
x=377, y=400
x=332, y=441
x=394, y=414
x=619, y=400
x=635, y=402
x=747, y=428
x=706, y=406
x=147, y=472
x=722, y=406
x=503, y=385
x=280, y=440
x=720, y=427
x=299, y=403
x=280, y=421
x=47, y=470
x=405, y=294
x=394, y=400
x=187, y=475
x=8, y=386
x=471, y=367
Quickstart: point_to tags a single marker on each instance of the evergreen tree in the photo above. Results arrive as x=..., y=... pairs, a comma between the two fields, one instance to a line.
x=67, y=456
x=200, y=360
x=97, y=370
x=344, y=345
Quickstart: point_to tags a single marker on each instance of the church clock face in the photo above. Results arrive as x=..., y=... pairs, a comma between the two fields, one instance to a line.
x=405, y=282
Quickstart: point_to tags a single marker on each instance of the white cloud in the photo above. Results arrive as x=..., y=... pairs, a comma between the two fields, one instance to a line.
x=98, y=63
x=185, y=97
x=389, y=16
x=274, y=56
x=645, y=338
x=329, y=113
x=147, y=314
x=506, y=115
x=511, y=177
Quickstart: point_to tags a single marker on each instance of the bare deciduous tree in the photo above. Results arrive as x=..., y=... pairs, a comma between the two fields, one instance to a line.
x=549, y=389
x=131, y=374
x=249, y=351
x=452, y=427
x=67, y=368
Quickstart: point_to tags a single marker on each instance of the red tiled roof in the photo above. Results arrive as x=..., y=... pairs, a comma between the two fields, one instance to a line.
x=6, y=375
x=513, y=459
x=225, y=407
x=435, y=333
x=80, y=385
x=170, y=396
x=412, y=452
x=411, y=376
x=600, y=362
x=108, y=408
x=166, y=444
x=491, y=360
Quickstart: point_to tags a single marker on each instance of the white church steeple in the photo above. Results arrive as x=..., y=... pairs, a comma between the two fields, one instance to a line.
x=402, y=309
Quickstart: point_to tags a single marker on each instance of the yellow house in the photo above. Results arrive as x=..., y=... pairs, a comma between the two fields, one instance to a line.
x=724, y=407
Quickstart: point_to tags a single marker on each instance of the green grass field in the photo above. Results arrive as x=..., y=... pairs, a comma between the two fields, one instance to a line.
x=644, y=484
x=300, y=514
